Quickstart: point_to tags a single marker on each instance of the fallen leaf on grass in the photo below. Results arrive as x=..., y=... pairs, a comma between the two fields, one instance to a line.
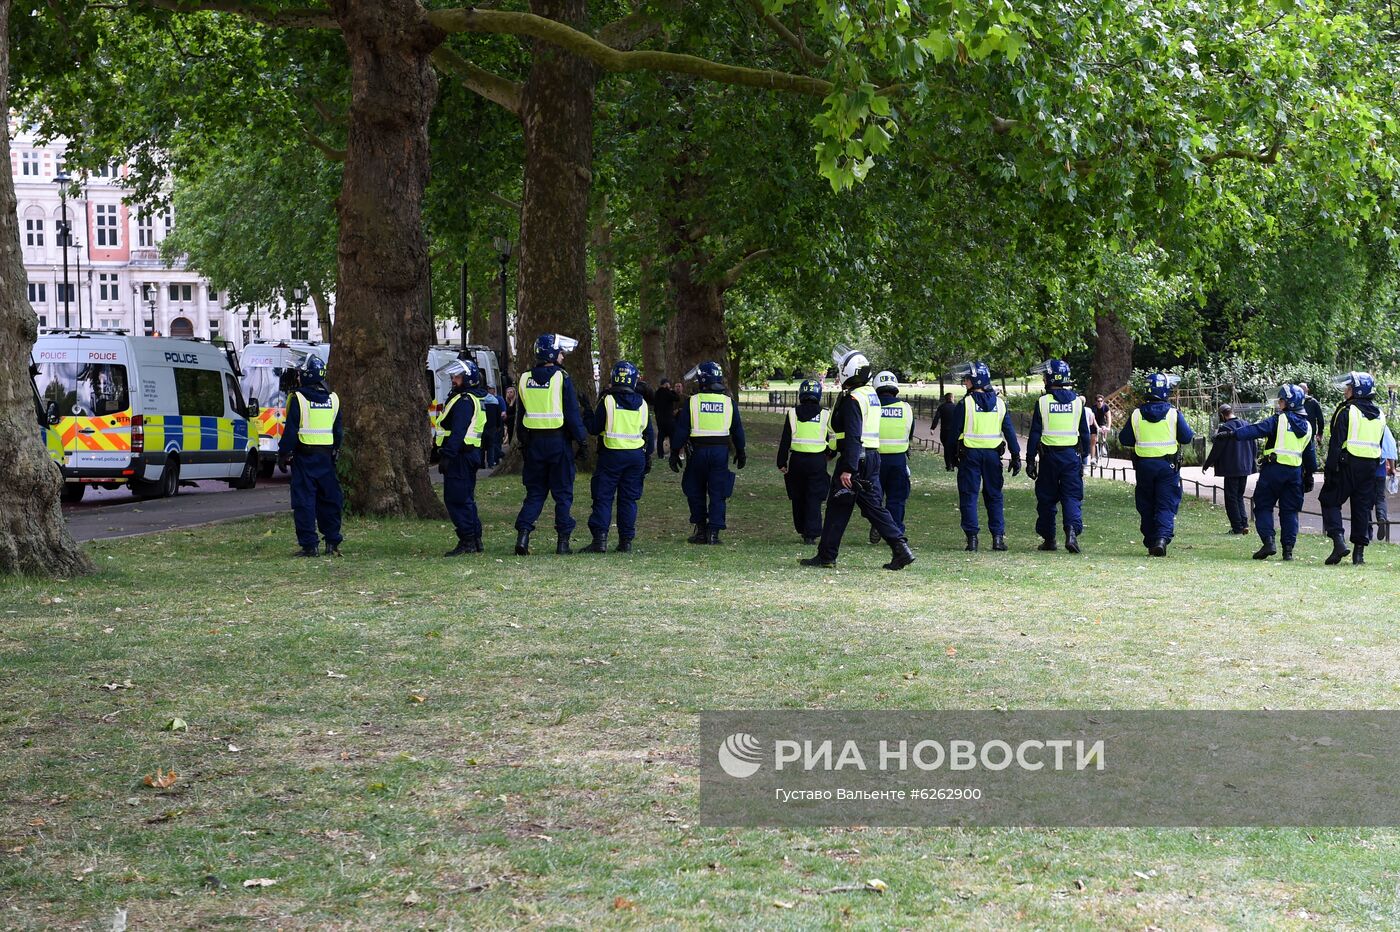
x=334, y=675
x=260, y=882
x=951, y=652
x=161, y=780
x=177, y=724
x=876, y=885
x=413, y=899
x=234, y=749
x=415, y=697
x=623, y=902
x=113, y=687
x=782, y=904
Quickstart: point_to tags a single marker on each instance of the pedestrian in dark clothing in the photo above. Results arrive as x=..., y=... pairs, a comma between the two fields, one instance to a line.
x=664, y=405
x=943, y=421
x=1233, y=460
x=508, y=420
x=1312, y=410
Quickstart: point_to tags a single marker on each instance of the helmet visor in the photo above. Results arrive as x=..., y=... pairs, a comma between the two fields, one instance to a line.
x=693, y=374
x=840, y=353
x=565, y=344
x=1041, y=368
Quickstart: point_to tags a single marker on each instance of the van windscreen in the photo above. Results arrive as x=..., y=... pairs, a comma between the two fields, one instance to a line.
x=72, y=389
x=265, y=384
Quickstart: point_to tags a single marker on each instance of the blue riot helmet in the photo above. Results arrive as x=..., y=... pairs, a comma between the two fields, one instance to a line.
x=1362, y=385
x=1160, y=385
x=1056, y=373
x=810, y=390
x=708, y=374
x=1292, y=397
x=549, y=346
x=467, y=369
x=313, y=369
x=976, y=372
x=625, y=375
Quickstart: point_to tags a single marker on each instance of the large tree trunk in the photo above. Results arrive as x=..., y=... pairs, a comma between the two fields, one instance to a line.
x=383, y=328
x=34, y=538
x=697, y=329
x=322, y=305
x=1113, y=354
x=480, y=327
x=653, y=326
x=557, y=116
x=600, y=292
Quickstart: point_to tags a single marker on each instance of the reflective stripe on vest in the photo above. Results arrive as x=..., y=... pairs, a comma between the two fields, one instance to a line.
x=870, y=418
x=1060, y=427
x=896, y=426
x=982, y=429
x=1363, y=435
x=472, y=438
x=711, y=415
x=623, y=429
x=543, y=405
x=1288, y=447
x=317, y=428
x=808, y=436
x=1155, y=438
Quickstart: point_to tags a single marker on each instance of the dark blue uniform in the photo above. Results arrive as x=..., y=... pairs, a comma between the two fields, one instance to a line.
x=980, y=470
x=1059, y=483
x=853, y=458
x=806, y=478
x=460, y=463
x=1348, y=478
x=1279, y=485
x=619, y=472
x=1158, y=489
x=708, y=481
x=315, y=490
x=894, y=475
x=549, y=459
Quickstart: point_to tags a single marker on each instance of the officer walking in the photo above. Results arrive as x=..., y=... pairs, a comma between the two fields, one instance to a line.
x=1286, y=473
x=624, y=421
x=1060, y=438
x=855, y=423
x=548, y=423
x=984, y=430
x=311, y=438
x=1352, y=451
x=706, y=426
x=463, y=440
x=896, y=427
x=1155, y=432
x=802, y=460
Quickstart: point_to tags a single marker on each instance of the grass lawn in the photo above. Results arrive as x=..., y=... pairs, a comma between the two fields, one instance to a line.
x=398, y=740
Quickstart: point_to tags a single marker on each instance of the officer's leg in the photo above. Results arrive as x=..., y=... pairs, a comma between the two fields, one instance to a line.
x=303, y=494
x=796, y=484
x=603, y=485
x=838, y=515
x=1168, y=502
x=1266, y=495
x=329, y=502
x=1047, y=497
x=693, y=484
x=534, y=475
x=720, y=485
x=561, y=487
x=818, y=481
x=454, y=495
x=1363, y=500
x=1145, y=498
x=1330, y=500
x=895, y=481
x=992, y=479
x=969, y=485
x=872, y=507
x=1072, y=494
x=1290, y=503
x=629, y=492
x=473, y=519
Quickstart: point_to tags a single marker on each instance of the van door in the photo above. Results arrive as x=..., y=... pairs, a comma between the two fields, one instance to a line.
x=56, y=381
x=103, y=407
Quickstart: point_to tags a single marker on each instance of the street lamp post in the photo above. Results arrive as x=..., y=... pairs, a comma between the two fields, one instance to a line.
x=503, y=247
x=299, y=302
x=152, y=331
x=134, y=329
x=62, y=179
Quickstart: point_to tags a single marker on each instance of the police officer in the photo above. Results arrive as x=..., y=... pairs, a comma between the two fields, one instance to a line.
x=548, y=423
x=311, y=438
x=984, y=430
x=463, y=441
x=855, y=423
x=623, y=420
x=896, y=427
x=802, y=460
x=1352, y=452
x=1060, y=438
x=707, y=424
x=1286, y=472
x=1155, y=432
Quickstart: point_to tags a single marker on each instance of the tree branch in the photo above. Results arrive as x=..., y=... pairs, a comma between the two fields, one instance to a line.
x=478, y=80
x=306, y=18
x=787, y=35
x=737, y=269
x=628, y=32
x=1268, y=157
x=325, y=148
x=503, y=201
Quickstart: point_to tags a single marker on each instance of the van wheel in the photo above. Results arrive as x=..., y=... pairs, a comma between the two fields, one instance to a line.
x=72, y=492
x=167, y=485
x=248, y=478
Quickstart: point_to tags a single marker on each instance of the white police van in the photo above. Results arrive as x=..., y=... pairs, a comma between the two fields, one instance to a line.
x=440, y=384
x=146, y=412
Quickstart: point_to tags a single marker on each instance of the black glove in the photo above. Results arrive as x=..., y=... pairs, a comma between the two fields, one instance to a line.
x=647, y=468
x=675, y=464
x=578, y=454
x=740, y=458
x=1224, y=433
x=1031, y=471
x=1015, y=465
x=284, y=460
x=1308, y=480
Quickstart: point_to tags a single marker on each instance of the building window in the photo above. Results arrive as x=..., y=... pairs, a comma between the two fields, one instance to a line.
x=213, y=328
x=34, y=232
x=29, y=164
x=150, y=326
x=106, y=170
x=298, y=330
x=107, y=286
x=107, y=225
x=111, y=324
x=168, y=220
x=38, y=293
x=145, y=231
x=43, y=321
x=213, y=296
x=181, y=292
x=66, y=292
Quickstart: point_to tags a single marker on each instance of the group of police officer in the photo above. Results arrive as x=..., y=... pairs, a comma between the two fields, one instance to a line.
x=866, y=431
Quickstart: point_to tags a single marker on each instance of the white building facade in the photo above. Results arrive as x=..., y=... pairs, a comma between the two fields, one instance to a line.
x=116, y=279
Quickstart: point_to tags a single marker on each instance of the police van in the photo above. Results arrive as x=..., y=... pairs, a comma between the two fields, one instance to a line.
x=145, y=412
x=440, y=384
x=269, y=372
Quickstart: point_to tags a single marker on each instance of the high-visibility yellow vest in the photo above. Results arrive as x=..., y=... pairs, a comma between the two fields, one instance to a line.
x=474, y=429
x=1059, y=421
x=1158, y=438
x=1288, y=447
x=711, y=414
x=1363, y=435
x=623, y=429
x=317, y=428
x=808, y=436
x=982, y=429
x=896, y=426
x=543, y=405
x=869, y=403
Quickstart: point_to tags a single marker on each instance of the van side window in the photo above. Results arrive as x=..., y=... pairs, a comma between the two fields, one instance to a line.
x=235, y=396
x=200, y=392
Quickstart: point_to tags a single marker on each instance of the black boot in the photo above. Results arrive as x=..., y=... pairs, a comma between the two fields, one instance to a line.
x=562, y=548
x=1158, y=548
x=476, y=545
x=900, y=554
x=1048, y=544
x=811, y=540
x=817, y=563
x=1382, y=530
x=874, y=536
x=1287, y=553
x=522, y=543
x=1266, y=550
x=463, y=547
x=1339, y=550
x=698, y=536
x=713, y=538
x=307, y=552
x=599, y=545
x=1358, y=554
x=624, y=545
x=971, y=543
x=998, y=542
x=1072, y=542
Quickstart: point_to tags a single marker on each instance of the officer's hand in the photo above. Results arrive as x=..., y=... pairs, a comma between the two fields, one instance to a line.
x=647, y=468
x=783, y=470
x=1308, y=480
x=284, y=461
x=675, y=464
x=1031, y=471
x=740, y=458
x=845, y=480
x=1015, y=465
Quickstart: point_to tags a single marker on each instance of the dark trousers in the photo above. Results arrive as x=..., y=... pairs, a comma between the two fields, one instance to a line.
x=1158, y=497
x=1234, y=502
x=1280, y=486
x=841, y=502
x=980, y=471
x=1353, y=480
x=548, y=471
x=950, y=450
x=663, y=435
x=807, y=483
x=459, y=492
x=1382, y=506
x=1059, y=486
x=707, y=484
x=316, y=498
x=894, y=481
x=618, y=475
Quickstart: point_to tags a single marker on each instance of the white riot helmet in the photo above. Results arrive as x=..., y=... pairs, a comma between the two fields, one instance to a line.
x=885, y=379
x=852, y=365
